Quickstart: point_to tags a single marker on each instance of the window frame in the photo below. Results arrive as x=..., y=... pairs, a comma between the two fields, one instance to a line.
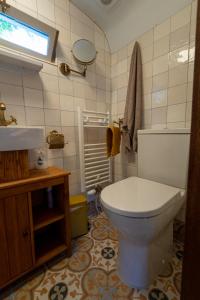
x=35, y=24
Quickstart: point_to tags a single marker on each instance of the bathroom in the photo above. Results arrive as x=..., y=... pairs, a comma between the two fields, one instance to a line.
x=69, y=101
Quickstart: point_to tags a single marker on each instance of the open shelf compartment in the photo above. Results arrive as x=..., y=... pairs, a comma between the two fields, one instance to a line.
x=43, y=215
x=50, y=241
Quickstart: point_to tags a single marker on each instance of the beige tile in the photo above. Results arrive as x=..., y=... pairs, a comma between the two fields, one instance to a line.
x=66, y=102
x=178, y=75
x=114, y=59
x=159, y=99
x=33, y=98
x=192, y=52
x=147, y=85
x=123, y=66
x=122, y=54
x=180, y=37
x=147, y=70
x=52, y=117
x=11, y=94
x=194, y=10
x=160, y=81
x=146, y=39
x=67, y=118
x=177, y=94
x=159, y=115
x=193, y=31
x=160, y=65
x=121, y=94
x=51, y=100
x=161, y=46
x=190, y=91
x=176, y=125
x=178, y=57
x=176, y=113
x=147, y=54
x=159, y=126
x=147, y=117
x=162, y=30
x=181, y=18
x=189, y=111
x=34, y=116
x=191, y=71
x=147, y=101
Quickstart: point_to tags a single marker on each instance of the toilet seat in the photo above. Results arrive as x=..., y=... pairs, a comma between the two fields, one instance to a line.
x=139, y=198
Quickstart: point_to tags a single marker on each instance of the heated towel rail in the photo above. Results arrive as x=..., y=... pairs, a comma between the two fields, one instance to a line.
x=95, y=166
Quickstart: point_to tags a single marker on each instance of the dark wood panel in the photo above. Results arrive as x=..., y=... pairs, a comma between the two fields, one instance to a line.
x=191, y=264
x=4, y=266
x=18, y=234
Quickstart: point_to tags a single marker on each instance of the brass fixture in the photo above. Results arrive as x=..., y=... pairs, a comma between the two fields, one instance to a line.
x=4, y=6
x=66, y=70
x=84, y=53
x=56, y=140
x=3, y=121
x=120, y=124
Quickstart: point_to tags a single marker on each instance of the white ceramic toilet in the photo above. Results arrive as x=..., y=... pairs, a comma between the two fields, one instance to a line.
x=143, y=208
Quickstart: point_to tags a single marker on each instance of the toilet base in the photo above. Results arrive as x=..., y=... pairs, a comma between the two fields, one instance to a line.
x=139, y=264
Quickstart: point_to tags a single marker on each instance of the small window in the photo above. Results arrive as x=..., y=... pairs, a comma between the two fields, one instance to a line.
x=26, y=34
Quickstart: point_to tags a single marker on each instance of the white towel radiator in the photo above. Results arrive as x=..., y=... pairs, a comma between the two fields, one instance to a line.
x=95, y=166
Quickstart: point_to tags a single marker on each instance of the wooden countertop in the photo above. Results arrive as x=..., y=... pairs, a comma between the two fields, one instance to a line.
x=36, y=176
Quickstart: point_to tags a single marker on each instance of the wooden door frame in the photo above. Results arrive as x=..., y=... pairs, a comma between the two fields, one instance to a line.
x=191, y=261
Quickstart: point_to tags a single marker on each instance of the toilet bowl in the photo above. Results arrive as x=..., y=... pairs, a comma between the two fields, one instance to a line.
x=142, y=211
x=143, y=208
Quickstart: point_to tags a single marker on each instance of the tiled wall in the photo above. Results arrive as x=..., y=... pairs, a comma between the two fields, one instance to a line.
x=168, y=62
x=49, y=99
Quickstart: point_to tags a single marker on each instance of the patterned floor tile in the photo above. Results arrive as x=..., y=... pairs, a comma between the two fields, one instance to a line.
x=91, y=272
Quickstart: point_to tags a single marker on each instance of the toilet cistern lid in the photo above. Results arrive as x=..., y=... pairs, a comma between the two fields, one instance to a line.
x=139, y=198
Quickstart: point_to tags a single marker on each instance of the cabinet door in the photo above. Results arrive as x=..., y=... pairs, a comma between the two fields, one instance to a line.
x=4, y=266
x=18, y=234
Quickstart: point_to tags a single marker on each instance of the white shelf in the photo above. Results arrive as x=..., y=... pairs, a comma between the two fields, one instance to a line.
x=18, y=59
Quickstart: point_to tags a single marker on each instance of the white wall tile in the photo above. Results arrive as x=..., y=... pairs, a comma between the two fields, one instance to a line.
x=181, y=18
x=176, y=113
x=162, y=30
x=33, y=98
x=34, y=116
x=160, y=64
x=159, y=98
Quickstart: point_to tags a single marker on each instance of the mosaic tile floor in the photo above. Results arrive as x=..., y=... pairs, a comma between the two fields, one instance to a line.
x=90, y=274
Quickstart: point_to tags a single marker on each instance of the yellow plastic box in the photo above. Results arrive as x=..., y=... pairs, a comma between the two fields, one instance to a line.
x=79, y=215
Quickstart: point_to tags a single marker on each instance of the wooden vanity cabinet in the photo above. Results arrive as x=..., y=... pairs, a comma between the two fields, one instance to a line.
x=18, y=233
x=31, y=233
x=4, y=267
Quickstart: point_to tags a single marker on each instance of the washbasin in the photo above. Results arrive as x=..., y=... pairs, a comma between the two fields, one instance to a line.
x=14, y=138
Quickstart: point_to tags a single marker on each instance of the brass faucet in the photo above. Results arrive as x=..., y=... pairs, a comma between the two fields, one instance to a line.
x=3, y=121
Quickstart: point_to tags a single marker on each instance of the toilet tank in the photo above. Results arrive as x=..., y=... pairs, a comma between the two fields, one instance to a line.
x=163, y=156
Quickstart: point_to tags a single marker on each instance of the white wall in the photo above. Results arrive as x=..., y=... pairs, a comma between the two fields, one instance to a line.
x=168, y=63
x=49, y=99
x=127, y=19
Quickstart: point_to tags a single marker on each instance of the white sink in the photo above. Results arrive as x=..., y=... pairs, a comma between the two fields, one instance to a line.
x=20, y=138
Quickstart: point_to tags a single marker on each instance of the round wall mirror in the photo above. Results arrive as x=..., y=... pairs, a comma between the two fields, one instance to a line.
x=84, y=52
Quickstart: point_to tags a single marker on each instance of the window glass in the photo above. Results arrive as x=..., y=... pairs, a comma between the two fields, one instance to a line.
x=14, y=31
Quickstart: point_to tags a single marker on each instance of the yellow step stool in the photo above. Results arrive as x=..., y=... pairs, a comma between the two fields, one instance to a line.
x=79, y=215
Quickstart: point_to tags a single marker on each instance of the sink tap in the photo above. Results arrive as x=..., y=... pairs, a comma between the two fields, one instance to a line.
x=3, y=121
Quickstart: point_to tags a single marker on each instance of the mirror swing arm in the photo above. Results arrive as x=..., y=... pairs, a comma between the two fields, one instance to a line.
x=66, y=70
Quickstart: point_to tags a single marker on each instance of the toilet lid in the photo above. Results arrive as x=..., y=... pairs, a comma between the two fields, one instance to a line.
x=138, y=197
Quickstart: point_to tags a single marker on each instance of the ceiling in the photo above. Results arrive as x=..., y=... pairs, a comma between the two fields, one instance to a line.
x=124, y=20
